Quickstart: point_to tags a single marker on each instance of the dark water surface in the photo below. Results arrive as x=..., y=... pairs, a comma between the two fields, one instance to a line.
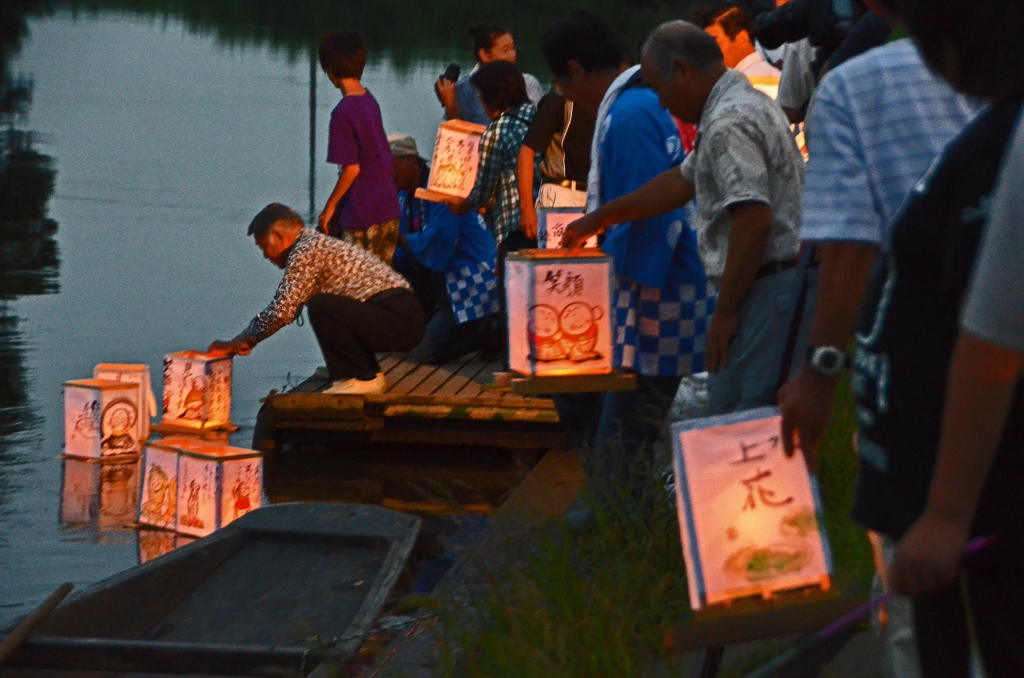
x=165, y=144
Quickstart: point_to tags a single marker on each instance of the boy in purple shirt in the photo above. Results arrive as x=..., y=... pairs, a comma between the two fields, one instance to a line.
x=363, y=207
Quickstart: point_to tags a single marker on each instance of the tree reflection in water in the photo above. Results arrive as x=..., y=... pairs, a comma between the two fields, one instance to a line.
x=29, y=264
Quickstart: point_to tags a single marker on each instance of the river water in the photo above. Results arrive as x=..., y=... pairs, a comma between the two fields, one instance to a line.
x=165, y=144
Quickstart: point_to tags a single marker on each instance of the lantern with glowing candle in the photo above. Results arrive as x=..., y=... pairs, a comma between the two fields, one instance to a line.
x=748, y=515
x=132, y=374
x=197, y=390
x=455, y=162
x=551, y=223
x=558, y=312
x=100, y=418
x=158, y=493
x=98, y=494
x=216, y=485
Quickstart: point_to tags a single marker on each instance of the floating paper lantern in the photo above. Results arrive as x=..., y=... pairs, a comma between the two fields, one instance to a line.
x=158, y=493
x=456, y=158
x=132, y=374
x=98, y=494
x=197, y=390
x=216, y=485
x=748, y=515
x=551, y=223
x=558, y=312
x=100, y=418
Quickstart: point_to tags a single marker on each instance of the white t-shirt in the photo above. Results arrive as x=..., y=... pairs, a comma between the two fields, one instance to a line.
x=754, y=66
x=994, y=310
x=797, y=83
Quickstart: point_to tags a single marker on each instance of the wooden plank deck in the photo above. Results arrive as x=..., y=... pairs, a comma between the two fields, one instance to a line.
x=456, y=403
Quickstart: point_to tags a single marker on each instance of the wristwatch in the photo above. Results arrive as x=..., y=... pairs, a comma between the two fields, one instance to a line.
x=828, y=361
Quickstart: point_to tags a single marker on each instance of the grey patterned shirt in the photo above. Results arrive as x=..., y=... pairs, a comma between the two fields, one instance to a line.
x=744, y=152
x=320, y=264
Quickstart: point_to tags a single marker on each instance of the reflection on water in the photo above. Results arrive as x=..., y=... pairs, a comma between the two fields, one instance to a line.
x=99, y=495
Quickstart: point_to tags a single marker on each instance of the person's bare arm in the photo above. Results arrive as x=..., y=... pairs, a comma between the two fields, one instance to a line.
x=982, y=380
x=664, y=193
x=806, y=400
x=347, y=175
x=524, y=180
x=751, y=226
x=240, y=345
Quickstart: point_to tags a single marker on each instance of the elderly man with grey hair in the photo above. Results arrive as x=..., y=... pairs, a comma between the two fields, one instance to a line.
x=747, y=175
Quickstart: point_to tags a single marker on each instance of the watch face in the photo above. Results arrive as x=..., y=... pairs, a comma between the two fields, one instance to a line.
x=828, y=360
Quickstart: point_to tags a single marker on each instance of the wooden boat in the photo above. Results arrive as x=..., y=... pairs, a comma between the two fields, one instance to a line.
x=276, y=592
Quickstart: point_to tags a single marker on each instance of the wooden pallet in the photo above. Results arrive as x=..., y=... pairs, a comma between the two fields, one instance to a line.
x=455, y=403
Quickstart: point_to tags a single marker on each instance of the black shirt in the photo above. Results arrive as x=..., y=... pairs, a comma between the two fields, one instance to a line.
x=548, y=125
x=906, y=338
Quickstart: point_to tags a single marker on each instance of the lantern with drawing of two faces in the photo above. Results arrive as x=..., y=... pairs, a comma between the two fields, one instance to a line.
x=558, y=317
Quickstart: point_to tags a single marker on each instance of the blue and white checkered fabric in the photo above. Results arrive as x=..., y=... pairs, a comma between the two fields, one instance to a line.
x=661, y=333
x=473, y=292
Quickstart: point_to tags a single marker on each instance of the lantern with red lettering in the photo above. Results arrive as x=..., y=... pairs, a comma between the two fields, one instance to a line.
x=100, y=418
x=197, y=390
x=559, y=312
x=748, y=515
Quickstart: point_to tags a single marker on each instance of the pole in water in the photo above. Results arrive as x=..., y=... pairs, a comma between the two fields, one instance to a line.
x=21, y=631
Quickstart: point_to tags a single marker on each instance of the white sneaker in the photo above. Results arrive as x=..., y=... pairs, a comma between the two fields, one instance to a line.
x=357, y=386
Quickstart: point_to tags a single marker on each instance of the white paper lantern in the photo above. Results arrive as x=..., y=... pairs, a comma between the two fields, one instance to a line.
x=455, y=162
x=216, y=485
x=132, y=374
x=100, y=418
x=158, y=492
x=197, y=390
x=551, y=223
x=748, y=515
x=558, y=312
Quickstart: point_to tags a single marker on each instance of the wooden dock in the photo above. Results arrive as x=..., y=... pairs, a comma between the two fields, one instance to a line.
x=458, y=403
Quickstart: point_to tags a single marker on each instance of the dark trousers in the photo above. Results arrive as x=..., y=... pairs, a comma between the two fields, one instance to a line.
x=350, y=332
x=617, y=432
x=995, y=598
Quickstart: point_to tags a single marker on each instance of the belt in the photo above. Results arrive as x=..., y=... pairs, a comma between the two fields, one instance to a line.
x=773, y=267
x=568, y=183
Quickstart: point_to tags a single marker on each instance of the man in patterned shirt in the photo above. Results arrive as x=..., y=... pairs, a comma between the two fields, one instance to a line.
x=357, y=304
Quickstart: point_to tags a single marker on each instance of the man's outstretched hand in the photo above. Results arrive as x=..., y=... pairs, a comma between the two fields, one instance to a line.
x=240, y=345
x=806, y=403
x=579, y=231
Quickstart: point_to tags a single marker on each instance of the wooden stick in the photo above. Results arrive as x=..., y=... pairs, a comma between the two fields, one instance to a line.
x=30, y=622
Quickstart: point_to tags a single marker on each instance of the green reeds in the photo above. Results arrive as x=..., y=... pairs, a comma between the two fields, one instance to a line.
x=598, y=603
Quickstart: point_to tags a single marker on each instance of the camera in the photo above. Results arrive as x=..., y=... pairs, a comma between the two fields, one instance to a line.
x=824, y=22
x=451, y=74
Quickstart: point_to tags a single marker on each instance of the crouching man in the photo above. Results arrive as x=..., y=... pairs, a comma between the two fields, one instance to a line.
x=357, y=304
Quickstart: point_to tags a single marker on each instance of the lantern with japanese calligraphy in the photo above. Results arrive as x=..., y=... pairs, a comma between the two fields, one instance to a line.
x=551, y=223
x=100, y=418
x=748, y=515
x=197, y=390
x=132, y=374
x=216, y=485
x=158, y=490
x=98, y=494
x=454, y=165
x=558, y=312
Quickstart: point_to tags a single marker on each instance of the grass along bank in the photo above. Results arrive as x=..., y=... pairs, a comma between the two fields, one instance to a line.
x=600, y=602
